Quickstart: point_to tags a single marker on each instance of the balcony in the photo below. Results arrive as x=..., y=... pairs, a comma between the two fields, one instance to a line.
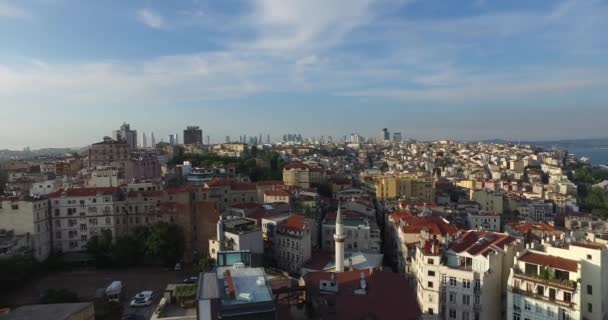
x=557, y=283
x=533, y=295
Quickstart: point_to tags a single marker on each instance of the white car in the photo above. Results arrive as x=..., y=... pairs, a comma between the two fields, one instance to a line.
x=142, y=299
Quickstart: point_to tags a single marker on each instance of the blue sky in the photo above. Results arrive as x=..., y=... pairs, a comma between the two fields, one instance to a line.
x=71, y=71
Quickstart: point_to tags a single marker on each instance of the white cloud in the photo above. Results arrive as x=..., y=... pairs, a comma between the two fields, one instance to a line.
x=151, y=18
x=294, y=25
x=10, y=11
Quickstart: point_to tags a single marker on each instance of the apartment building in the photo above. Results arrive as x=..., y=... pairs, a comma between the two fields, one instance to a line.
x=464, y=279
x=239, y=234
x=108, y=151
x=404, y=230
x=559, y=279
x=79, y=214
x=490, y=201
x=303, y=175
x=25, y=227
x=362, y=233
x=403, y=186
x=293, y=243
x=488, y=221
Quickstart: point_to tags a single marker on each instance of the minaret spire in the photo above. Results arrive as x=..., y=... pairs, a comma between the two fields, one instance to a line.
x=339, y=239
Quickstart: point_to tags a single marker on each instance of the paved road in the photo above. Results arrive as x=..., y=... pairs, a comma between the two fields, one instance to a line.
x=85, y=283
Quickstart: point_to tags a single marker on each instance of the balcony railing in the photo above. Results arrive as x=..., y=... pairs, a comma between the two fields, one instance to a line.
x=544, y=298
x=561, y=284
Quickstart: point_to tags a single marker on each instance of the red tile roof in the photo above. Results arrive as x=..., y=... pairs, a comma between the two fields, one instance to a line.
x=550, y=261
x=589, y=245
x=83, y=192
x=480, y=242
x=388, y=295
x=276, y=193
x=295, y=223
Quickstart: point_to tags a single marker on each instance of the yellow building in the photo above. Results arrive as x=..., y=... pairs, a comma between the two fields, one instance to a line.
x=470, y=184
x=302, y=175
x=406, y=187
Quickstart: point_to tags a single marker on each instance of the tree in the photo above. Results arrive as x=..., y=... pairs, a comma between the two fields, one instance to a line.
x=127, y=251
x=100, y=246
x=165, y=241
x=205, y=264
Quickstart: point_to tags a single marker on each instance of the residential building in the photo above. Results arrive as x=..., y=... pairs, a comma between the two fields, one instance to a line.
x=232, y=150
x=79, y=214
x=108, y=151
x=489, y=201
x=25, y=227
x=464, y=279
x=238, y=234
x=366, y=294
x=293, y=243
x=361, y=232
x=560, y=279
x=401, y=187
x=303, y=175
x=276, y=196
x=488, y=221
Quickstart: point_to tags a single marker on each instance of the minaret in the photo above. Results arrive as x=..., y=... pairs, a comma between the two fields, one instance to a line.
x=339, y=238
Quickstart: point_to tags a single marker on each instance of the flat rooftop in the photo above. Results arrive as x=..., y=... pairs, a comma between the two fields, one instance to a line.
x=59, y=311
x=245, y=282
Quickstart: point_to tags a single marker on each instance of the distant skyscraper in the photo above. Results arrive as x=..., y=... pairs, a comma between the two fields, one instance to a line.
x=193, y=135
x=268, y=138
x=397, y=136
x=173, y=139
x=385, y=135
x=152, y=140
x=227, y=139
x=144, y=140
x=208, y=140
x=127, y=135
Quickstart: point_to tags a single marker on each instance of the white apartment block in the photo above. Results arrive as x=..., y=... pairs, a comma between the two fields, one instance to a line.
x=293, y=243
x=79, y=214
x=362, y=233
x=28, y=219
x=487, y=221
x=559, y=279
x=239, y=234
x=466, y=279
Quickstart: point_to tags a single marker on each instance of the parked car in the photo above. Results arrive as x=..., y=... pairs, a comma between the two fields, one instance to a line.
x=191, y=280
x=142, y=299
x=178, y=267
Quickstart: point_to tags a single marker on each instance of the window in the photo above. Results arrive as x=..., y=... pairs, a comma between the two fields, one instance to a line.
x=567, y=297
x=452, y=297
x=58, y=235
x=430, y=261
x=452, y=281
x=466, y=300
x=516, y=316
x=477, y=300
x=589, y=257
x=466, y=284
x=57, y=212
x=552, y=293
x=540, y=290
x=452, y=314
x=589, y=307
x=589, y=289
x=527, y=306
x=431, y=273
x=465, y=315
x=430, y=284
x=15, y=207
x=431, y=311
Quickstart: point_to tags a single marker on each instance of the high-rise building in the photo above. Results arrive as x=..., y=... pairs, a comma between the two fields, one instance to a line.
x=125, y=134
x=227, y=139
x=397, y=136
x=152, y=140
x=385, y=135
x=144, y=140
x=173, y=139
x=268, y=138
x=193, y=135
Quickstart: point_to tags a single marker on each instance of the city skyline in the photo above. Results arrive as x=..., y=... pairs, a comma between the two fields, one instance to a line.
x=431, y=69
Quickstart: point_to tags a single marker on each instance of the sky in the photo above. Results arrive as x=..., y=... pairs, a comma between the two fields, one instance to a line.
x=72, y=71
